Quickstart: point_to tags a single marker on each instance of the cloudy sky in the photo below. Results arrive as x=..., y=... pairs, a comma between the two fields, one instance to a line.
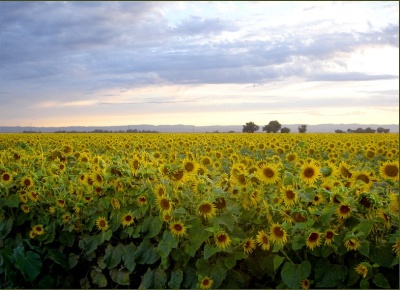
x=198, y=63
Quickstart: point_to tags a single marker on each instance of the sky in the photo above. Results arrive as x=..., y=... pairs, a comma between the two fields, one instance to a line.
x=198, y=63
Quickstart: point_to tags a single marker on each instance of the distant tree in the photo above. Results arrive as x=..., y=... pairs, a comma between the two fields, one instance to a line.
x=369, y=130
x=285, y=130
x=302, y=128
x=350, y=131
x=250, y=127
x=379, y=130
x=386, y=130
x=273, y=126
x=339, y=131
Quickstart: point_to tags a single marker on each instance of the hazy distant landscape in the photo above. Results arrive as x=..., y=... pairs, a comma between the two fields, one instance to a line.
x=321, y=128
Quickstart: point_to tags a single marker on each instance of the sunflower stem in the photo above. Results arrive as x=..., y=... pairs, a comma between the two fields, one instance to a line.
x=284, y=253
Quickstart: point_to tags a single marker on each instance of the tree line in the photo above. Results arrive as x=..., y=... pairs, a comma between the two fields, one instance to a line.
x=272, y=127
x=367, y=130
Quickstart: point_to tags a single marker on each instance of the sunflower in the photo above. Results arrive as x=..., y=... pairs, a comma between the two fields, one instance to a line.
x=278, y=234
x=249, y=245
x=318, y=199
x=220, y=203
x=33, y=196
x=190, y=166
x=178, y=175
x=159, y=190
x=394, y=203
x=390, y=170
x=222, y=240
x=344, y=170
x=206, y=283
x=60, y=202
x=177, y=228
x=343, y=211
x=66, y=218
x=292, y=157
x=38, y=230
x=363, y=176
x=329, y=237
x=167, y=217
x=396, y=247
x=6, y=178
x=207, y=209
x=141, y=200
x=305, y=284
x=380, y=213
x=352, y=244
x=310, y=172
x=87, y=199
x=268, y=173
x=362, y=269
x=164, y=204
x=27, y=182
x=32, y=234
x=115, y=203
x=263, y=240
x=25, y=208
x=289, y=195
x=313, y=240
x=206, y=161
x=127, y=219
x=102, y=223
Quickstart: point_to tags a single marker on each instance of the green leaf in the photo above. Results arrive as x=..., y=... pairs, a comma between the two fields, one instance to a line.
x=209, y=251
x=168, y=242
x=58, y=257
x=176, y=279
x=29, y=263
x=73, y=260
x=5, y=228
x=120, y=277
x=160, y=279
x=67, y=238
x=227, y=220
x=151, y=226
x=382, y=255
x=364, y=249
x=381, y=281
x=90, y=243
x=365, y=228
x=189, y=278
x=292, y=274
x=329, y=275
x=106, y=236
x=364, y=284
x=129, y=256
x=146, y=253
x=147, y=280
x=278, y=261
x=229, y=262
x=327, y=214
x=113, y=255
x=98, y=279
x=197, y=237
x=12, y=201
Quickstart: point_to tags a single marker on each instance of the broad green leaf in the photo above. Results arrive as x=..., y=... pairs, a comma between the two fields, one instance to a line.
x=382, y=255
x=120, y=277
x=176, y=279
x=29, y=263
x=151, y=226
x=12, y=201
x=365, y=228
x=168, y=242
x=106, y=235
x=129, y=256
x=229, y=262
x=364, y=249
x=381, y=281
x=364, y=284
x=189, y=278
x=58, y=257
x=90, y=243
x=292, y=274
x=327, y=214
x=146, y=253
x=160, y=279
x=98, y=279
x=67, y=238
x=73, y=260
x=227, y=220
x=113, y=255
x=329, y=275
x=6, y=227
x=278, y=261
x=197, y=237
x=209, y=251
x=147, y=280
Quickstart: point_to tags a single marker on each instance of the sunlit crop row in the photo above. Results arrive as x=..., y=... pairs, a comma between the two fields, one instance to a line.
x=199, y=210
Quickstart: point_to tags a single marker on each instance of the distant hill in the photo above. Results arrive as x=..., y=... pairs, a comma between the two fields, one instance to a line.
x=322, y=128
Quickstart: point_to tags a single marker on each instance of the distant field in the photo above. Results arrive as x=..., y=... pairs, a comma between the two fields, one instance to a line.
x=199, y=210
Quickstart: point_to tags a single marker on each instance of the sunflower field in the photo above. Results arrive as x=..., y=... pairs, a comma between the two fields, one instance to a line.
x=199, y=210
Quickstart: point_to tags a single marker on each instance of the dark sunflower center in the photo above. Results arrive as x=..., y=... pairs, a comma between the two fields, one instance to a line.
x=313, y=237
x=189, y=166
x=27, y=182
x=165, y=203
x=178, y=227
x=363, y=178
x=128, y=218
x=205, y=208
x=279, y=232
x=222, y=238
x=344, y=209
x=265, y=239
x=6, y=177
x=268, y=172
x=206, y=282
x=391, y=170
x=102, y=223
x=309, y=172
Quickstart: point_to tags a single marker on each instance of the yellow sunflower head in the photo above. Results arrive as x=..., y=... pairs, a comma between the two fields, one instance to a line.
x=222, y=240
x=390, y=170
x=207, y=209
x=177, y=228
